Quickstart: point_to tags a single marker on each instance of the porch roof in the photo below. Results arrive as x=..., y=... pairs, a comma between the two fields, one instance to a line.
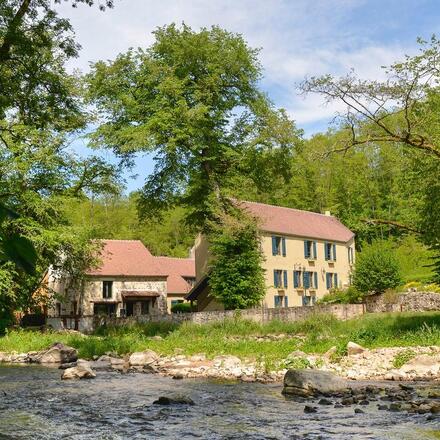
x=139, y=294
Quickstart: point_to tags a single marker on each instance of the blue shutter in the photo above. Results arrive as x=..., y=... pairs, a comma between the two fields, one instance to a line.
x=306, y=280
x=334, y=252
x=283, y=246
x=336, y=280
x=328, y=279
x=275, y=278
x=326, y=253
x=285, y=278
x=315, y=253
x=295, y=278
x=276, y=299
x=274, y=245
x=286, y=302
x=315, y=276
x=306, y=250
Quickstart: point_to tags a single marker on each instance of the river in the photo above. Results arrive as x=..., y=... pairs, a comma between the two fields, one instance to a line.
x=35, y=404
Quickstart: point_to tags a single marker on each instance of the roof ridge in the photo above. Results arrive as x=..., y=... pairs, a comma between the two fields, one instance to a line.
x=286, y=207
x=174, y=258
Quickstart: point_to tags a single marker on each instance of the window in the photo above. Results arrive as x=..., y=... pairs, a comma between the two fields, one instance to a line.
x=310, y=280
x=331, y=280
x=176, y=301
x=350, y=255
x=107, y=288
x=279, y=300
x=104, y=309
x=145, y=307
x=278, y=246
x=58, y=309
x=297, y=279
x=306, y=300
x=330, y=251
x=280, y=278
x=310, y=250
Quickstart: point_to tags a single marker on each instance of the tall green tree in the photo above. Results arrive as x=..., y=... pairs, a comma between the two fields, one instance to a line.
x=192, y=98
x=40, y=111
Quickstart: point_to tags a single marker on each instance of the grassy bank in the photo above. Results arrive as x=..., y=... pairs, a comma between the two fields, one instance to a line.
x=237, y=337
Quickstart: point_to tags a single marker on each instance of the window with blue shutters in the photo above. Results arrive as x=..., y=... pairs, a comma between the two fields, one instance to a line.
x=331, y=280
x=310, y=250
x=278, y=301
x=305, y=300
x=278, y=246
x=278, y=278
x=330, y=251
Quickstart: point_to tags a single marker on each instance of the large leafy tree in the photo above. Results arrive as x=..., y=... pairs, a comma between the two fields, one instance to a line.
x=192, y=98
x=40, y=111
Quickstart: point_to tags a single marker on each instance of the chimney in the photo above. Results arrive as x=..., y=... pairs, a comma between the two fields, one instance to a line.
x=327, y=213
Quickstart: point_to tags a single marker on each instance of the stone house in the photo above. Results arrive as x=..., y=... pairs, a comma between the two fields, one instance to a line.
x=129, y=281
x=306, y=254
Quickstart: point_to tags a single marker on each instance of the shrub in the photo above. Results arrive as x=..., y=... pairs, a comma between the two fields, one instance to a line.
x=403, y=357
x=338, y=296
x=181, y=308
x=377, y=269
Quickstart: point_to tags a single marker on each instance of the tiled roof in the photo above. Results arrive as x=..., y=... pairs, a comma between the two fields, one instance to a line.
x=127, y=258
x=176, y=269
x=298, y=223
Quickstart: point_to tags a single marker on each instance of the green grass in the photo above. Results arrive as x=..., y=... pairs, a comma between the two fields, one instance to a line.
x=237, y=337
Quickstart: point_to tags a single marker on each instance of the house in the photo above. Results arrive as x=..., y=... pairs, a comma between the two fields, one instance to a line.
x=306, y=254
x=129, y=281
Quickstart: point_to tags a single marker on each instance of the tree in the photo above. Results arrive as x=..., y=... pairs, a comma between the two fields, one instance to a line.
x=401, y=111
x=377, y=269
x=192, y=98
x=236, y=276
x=40, y=111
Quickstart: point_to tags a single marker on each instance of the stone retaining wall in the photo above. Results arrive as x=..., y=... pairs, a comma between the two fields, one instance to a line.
x=403, y=302
x=340, y=311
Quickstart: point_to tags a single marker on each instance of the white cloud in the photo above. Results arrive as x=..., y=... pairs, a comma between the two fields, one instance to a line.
x=298, y=38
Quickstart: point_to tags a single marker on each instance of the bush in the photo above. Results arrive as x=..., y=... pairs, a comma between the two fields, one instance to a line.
x=181, y=308
x=403, y=357
x=377, y=269
x=338, y=296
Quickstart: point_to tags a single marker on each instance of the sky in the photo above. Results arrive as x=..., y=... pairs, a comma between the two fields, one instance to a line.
x=297, y=38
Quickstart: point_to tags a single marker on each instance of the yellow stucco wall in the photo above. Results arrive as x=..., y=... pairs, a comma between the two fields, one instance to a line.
x=295, y=260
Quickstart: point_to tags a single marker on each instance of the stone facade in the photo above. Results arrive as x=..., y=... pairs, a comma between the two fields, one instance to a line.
x=85, y=299
x=403, y=302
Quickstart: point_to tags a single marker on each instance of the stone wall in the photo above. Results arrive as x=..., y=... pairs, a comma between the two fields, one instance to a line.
x=403, y=302
x=288, y=314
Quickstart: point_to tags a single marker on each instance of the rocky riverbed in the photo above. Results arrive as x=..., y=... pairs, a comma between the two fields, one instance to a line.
x=395, y=363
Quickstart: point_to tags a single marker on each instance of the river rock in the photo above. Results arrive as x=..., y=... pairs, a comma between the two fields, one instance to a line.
x=58, y=353
x=353, y=348
x=330, y=352
x=78, y=372
x=227, y=362
x=312, y=382
x=142, y=358
x=422, y=366
x=174, y=400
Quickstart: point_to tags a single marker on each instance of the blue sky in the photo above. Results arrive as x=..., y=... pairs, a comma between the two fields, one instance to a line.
x=298, y=38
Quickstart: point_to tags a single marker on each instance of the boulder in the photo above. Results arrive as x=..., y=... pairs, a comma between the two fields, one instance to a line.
x=143, y=358
x=78, y=372
x=307, y=383
x=353, y=348
x=58, y=353
x=421, y=366
x=174, y=400
x=330, y=352
x=227, y=362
